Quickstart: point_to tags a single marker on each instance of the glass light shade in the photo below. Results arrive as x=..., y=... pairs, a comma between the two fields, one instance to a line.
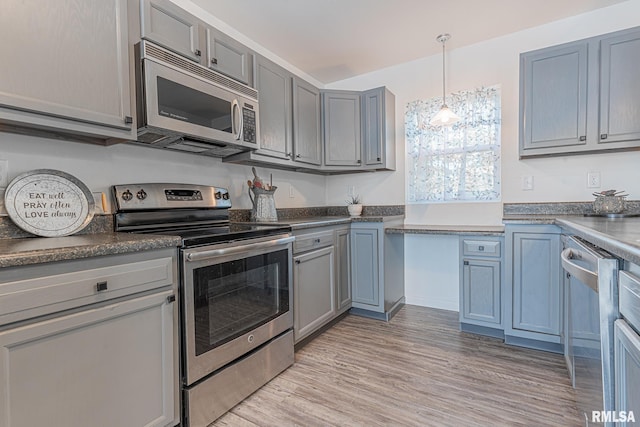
x=445, y=117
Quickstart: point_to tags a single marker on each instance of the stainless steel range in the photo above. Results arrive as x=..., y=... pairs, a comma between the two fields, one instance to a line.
x=235, y=291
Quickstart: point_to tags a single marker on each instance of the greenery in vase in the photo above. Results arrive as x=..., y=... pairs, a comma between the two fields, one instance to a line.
x=354, y=200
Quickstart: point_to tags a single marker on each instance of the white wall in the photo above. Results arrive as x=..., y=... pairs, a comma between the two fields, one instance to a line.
x=100, y=167
x=431, y=277
x=495, y=62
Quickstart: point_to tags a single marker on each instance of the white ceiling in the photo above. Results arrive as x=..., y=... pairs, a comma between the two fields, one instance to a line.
x=333, y=40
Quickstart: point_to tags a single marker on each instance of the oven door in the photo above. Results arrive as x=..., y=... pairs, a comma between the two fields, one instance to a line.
x=237, y=296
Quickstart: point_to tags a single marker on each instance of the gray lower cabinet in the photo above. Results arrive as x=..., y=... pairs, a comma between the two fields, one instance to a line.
x=168, y=25
x=377, y=269
x=313, y=291
x=307, y=144
x=343, y=268
x=581, y=96
x=321, y=283
x=99, y=357
x=627, y=371
x=532, y=286
x=481, y=285
x=75, y=88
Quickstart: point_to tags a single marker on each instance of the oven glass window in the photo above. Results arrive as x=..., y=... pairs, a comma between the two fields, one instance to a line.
x=189, y=105
x=234, y=297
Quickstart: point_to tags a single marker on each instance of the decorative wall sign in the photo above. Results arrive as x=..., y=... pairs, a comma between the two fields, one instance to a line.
x=49, y=203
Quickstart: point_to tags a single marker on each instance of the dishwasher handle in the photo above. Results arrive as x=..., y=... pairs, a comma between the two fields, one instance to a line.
x=588, y=277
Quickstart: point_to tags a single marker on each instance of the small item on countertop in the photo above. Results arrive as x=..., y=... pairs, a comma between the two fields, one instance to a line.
x=257, y=181
x=104, y=203
x=609, y=202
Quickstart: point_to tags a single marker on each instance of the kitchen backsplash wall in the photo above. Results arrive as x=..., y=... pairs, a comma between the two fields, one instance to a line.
x=492, y=62
x=100, y=167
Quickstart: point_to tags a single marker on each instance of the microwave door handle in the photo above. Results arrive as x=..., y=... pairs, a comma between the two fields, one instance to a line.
x=235, y=112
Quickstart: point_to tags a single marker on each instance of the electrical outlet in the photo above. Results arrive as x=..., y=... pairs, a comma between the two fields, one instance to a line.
x=593, y=180
x=291, y=193
x=527, y=182
x=4, y=173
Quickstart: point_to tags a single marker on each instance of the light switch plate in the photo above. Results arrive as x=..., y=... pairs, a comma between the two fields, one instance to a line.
x=527, y=182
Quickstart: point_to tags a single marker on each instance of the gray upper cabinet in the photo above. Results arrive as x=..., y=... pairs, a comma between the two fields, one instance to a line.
x=532, y=286
x=581, y=97
x=342, y=142
x=168, y=25
x=307, y=145
x=228, y=57
x=553, y=97
x=620, y=88
x=274, y=94
x=75, y=87
x=378, y=129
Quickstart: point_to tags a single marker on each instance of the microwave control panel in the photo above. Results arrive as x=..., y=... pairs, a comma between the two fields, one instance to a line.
x=249, y=128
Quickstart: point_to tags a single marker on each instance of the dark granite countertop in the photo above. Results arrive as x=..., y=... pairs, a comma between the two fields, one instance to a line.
x=37, y=250
x=325, y=221
x=476, y=230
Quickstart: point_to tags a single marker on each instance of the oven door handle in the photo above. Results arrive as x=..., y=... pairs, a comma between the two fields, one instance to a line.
x=586, y=276
x=198, y=256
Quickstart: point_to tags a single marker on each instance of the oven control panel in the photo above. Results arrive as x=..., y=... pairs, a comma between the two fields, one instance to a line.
x=131, y=197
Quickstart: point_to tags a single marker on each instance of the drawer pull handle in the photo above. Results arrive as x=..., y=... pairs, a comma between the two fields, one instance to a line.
x=316, y=241
x=101, y=286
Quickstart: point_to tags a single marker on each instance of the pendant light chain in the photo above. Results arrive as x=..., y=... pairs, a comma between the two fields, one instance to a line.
x=444, y=103
x=445, y=117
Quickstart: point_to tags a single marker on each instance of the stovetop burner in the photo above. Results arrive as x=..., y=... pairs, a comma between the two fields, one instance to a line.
x=192, y=237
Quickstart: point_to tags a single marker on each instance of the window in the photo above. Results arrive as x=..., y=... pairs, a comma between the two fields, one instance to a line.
x=461, y=162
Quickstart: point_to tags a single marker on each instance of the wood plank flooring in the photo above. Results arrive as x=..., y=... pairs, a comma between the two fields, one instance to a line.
x=416, y=370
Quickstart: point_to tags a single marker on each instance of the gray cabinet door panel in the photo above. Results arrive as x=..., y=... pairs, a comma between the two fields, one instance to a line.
x=343, y=269
x=228, y=56
x=554, y=97
x=536, y=282
x=307, y=146
x=166, y=24
x=620, y=88
x=81, y=75
x=364, y=257
x=481, y=288
x=274, y=94
x=373, y=126
x=627, y=369
x=342, y=128
x=314, y=290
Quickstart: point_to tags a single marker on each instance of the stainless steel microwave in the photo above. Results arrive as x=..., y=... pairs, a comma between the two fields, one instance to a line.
x=184, y=106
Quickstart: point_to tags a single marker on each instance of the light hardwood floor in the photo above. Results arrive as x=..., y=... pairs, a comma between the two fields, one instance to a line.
x=416, y=370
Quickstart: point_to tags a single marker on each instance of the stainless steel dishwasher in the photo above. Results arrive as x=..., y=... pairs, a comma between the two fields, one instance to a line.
x=590, y=310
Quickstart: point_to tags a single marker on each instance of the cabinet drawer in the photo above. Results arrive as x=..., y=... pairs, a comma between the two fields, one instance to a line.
x=306, y=242
x=481, y=247
x=36, y=296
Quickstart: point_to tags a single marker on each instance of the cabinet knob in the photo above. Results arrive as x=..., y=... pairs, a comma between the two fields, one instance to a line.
x=583, y=138
x=297, y=156
x=378, y=158
x=465, y=262
x=297, y=261
x=170, y=299
x=316, y=241
x=359, y=161
x=603, y=136
x=128, y=120
x=101, y=286
x=214, y=61
x=197, y=52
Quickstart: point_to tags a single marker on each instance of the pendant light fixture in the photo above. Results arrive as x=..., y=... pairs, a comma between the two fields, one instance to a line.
x=445, y=116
